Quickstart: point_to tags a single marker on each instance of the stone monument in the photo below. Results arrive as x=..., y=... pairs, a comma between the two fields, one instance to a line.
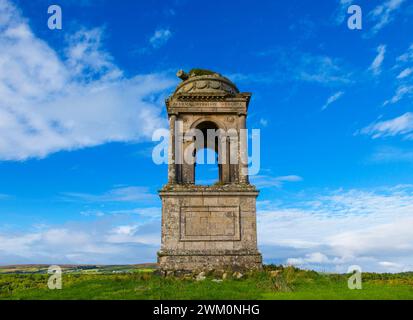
x=208, y=227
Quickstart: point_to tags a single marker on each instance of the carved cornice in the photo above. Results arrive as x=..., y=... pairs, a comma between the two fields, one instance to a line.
x=214, y=252
x=207, y=88
x=215, y=84
x=224, y=189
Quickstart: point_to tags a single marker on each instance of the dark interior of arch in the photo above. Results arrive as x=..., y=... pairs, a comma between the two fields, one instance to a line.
x=204, y=127
x=227, y=173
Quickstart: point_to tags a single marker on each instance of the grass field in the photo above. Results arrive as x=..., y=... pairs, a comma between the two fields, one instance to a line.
x=141, y=282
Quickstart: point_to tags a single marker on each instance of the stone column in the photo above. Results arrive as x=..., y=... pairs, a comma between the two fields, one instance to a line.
x=171, y=150
x=243, y=152
x=223, y=159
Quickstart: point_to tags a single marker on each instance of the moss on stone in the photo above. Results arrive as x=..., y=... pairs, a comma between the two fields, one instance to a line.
x=201, y=72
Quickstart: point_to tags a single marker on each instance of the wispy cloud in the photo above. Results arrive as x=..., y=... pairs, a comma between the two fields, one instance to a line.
x=341, y=12
x=120, y=194
x=321, y=69
x=403, y=80
x=304, y=28
x=92, y=213
x=259, y=78
x=148, y=212
x=384, y=13
x=86, y=57
x=97, y=242
x=323, y=230
x=392, y=154
x=407, y=56
x=405, y=73
x=160, y=37
x=401, y=92
x=317, y=258
x=332, y=99
x=263, y=122
x=375, y=67
x=402, y=126
x=295, y=65
x=50, y=103
x=336, y=229
x=265, y=181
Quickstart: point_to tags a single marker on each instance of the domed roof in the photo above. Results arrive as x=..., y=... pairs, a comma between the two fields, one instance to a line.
x=204, y=82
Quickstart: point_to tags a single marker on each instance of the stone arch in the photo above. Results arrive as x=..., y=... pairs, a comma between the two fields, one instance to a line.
x=218, y=123
x=220, y=142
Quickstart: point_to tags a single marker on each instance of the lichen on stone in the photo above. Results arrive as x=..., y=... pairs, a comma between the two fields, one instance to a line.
x=201, y=72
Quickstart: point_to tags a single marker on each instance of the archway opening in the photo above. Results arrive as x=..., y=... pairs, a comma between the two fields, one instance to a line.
x=206, y=167
x=207, y=170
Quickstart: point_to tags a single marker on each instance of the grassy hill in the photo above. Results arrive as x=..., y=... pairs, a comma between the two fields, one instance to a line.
x=143, y=282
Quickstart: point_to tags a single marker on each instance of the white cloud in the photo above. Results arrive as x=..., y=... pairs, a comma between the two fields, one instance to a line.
x=320, y=69
x=310, y=258
x=332, y=99
x=125, y=230
x=99, y=242
x=405, y=73
x=402, y=125
x=341, y=13
x=404, y=81
x=149, y=212
x=401, y=92
x=392, y=154
x=131, y=234
x=377, y=62
x=292, y=65
x=160, y=37
x=257, y=78
x=119, y=194
x=265, y=181
x=50, y=103
x=407, y=56
x=328, y=230
x=383, y=14
x=337, y=229
x=391, y=265
x=263, y=122
x=86, y=57
x=92, y=213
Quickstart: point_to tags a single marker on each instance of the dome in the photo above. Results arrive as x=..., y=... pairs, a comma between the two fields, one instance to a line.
x=204, y=82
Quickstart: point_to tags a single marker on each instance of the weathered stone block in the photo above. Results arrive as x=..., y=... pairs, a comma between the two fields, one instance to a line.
x=213, y=236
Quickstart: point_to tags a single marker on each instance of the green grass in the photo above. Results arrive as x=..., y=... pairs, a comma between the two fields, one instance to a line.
x=143, y=283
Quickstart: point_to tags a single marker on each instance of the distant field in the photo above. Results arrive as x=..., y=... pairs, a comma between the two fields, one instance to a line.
x=78, y=269
x=141, y=282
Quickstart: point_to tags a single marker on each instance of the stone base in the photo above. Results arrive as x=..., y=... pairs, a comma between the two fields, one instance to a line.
x=209, y=228
x=204, y=261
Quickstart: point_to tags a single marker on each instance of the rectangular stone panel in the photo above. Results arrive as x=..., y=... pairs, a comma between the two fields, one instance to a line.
x=210, y=223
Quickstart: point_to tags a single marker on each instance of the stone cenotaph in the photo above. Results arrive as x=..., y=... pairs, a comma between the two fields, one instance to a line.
x=208, y=227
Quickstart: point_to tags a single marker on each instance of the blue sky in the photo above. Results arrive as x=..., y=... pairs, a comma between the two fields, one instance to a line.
x=78, y=107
